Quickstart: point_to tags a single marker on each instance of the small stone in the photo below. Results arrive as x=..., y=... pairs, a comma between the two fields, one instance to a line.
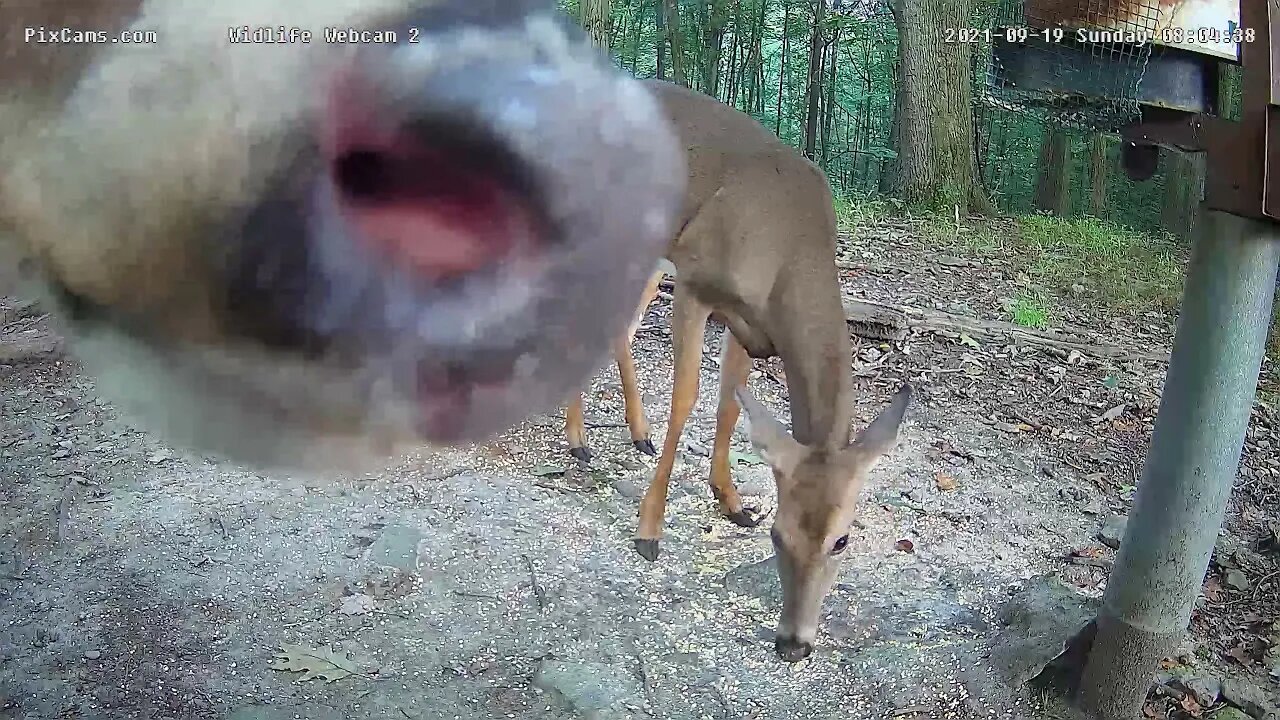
x=591, y=689
x=92, y=655
x=696, y=448
x=1205, y=689
x=1247, y=696
x=158, y=456
x=1236, y=580
x=357, y=604
x=1112, y=531
x=628, y=488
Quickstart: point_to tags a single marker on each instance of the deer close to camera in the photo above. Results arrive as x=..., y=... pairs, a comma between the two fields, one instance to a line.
x=308, y=252
x=756, y=249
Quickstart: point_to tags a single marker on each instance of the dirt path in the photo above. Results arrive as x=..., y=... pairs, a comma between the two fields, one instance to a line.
x=138, y=582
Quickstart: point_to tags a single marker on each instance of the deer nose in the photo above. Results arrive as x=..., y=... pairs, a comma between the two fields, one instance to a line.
x=791, y=649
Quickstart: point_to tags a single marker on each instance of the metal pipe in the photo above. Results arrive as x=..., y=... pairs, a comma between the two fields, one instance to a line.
x=1190, y=467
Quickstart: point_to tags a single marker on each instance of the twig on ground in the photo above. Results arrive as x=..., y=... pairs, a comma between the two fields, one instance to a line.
x=1022, y=418
x=64, y=508
x=537, y=589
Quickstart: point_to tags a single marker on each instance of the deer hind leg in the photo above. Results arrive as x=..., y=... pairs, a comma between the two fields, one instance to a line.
x=735, y=364
x=688, y=327
x=575, y=429
x=637, y=422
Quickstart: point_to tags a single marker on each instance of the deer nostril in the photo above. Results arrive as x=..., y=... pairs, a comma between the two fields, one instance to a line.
x=791, y=649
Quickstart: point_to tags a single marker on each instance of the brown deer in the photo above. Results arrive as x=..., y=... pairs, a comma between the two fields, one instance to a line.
x=307, y=252
x=575, y=428
x=757, y=248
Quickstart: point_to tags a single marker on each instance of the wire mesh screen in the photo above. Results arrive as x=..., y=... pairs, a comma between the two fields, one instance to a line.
x=1071, y=63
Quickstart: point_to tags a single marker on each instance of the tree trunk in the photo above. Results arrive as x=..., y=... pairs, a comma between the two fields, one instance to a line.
x=829, y=110
x=1053, y=191
x=782, y=64
x=733, y=73
x=596, y=16
x=675, y=39
x=712, y=45
x=938, y=161
x=889, y=168
x=1098, y=167
x=813, y=90
x=659, y=20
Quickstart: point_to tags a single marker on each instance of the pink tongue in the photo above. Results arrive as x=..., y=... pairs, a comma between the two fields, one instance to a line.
x=435, y=239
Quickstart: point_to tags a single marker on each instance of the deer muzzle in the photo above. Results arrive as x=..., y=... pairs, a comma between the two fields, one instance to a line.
x=804, y=587
x=414, y=243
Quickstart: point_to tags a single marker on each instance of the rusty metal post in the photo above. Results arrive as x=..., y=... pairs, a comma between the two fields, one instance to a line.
x=1195, y=451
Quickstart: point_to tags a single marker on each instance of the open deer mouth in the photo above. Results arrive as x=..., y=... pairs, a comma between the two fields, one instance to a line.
x=439, y=198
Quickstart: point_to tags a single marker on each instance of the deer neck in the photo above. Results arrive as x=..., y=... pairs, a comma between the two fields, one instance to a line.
x=813, y=343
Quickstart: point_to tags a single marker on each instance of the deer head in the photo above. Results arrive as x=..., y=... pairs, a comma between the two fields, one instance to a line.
x=818, y=489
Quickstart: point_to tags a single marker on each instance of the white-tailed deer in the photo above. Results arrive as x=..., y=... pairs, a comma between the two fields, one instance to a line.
x=757, y=248
x=304, y=252
x=575, y=428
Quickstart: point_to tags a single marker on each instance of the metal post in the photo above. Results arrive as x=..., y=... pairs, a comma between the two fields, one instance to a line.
x=1199, y=434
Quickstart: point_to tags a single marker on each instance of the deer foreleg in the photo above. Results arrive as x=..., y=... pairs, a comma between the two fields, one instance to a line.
x=688, y=327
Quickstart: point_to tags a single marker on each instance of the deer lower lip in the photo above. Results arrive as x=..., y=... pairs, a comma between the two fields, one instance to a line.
x=446, y=391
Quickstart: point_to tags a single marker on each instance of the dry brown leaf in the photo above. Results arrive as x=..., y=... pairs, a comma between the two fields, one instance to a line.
x=313, y=664
x=1212, y=589
x=1240, y=653
x=904, y=545
x=1190, y=706
x=944, y=481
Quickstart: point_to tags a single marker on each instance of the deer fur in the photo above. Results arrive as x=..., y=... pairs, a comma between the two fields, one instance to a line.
x=756, y=248
x=185, y=212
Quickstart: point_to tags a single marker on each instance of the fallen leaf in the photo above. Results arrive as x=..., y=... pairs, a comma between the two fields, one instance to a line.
x=1111, y=414
x=313, y=664
x=548, y=471
x=1240, y=653
x=1168, y=663
x=1152, y=710
x=904, y=545
x=357, y=604
x=1091, y=551
x=1190, y=706
x=745, y=458
x=944, y=481
x=1212, y=590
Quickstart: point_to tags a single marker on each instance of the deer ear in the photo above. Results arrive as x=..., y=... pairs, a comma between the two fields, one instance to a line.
x=771, y=440
x=879, y=437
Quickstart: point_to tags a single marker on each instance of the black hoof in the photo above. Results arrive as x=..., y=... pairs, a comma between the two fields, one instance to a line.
x=648, y=549
x=747, y=517
x=645, y=446
x=792, y=650
x=581, y=454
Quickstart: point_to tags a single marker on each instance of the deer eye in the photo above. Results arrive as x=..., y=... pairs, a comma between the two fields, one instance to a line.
x=841, y=543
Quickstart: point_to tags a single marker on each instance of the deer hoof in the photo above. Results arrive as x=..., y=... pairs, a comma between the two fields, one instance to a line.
x=645, y=446
x=792, y=650
x=581, y=454
x=747, y=517
x=648, y=549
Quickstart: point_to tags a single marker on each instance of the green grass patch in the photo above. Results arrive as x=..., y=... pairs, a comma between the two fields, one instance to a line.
x=1122, y=267
x=1029, y=312
x=853, y=212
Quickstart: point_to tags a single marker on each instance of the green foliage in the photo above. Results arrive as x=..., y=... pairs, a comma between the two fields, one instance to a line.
x=1030, y=313
x=1087, y=256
